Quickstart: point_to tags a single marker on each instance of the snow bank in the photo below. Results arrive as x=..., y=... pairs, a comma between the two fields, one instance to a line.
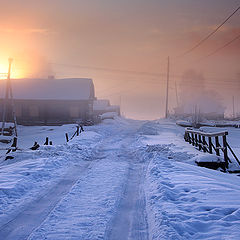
x=189, y=202
x=32, y=172
x=169, y=133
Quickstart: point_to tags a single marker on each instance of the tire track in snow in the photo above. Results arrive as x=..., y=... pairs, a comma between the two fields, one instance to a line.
x=26, y=221
x=130, y=207
x=130, y=221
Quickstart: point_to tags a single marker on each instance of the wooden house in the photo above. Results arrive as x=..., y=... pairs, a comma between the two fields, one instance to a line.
x=50, y=101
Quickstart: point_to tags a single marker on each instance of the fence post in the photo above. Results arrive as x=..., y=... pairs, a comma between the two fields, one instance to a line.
x=210, y=144
x=35, y=146
x=193, y=140
x=217, y=146
x=81, y=129
x=13, y=147
x=14, y=143
x=189, y=138
x=67, y=137
x=204, y=142
x=225, y=150
x=199, y=141
x=185, y=137
x=77, y=130
x=46, y=142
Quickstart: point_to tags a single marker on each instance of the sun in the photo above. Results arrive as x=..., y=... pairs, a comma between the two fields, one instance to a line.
x=3, y=71
x=16, y=71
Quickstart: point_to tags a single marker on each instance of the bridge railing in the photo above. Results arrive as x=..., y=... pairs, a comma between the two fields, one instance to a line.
x=210, y=142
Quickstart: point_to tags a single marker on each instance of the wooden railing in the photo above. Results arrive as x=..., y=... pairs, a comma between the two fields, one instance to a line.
x=36, y=145
x=209, y=142
x=76, y=133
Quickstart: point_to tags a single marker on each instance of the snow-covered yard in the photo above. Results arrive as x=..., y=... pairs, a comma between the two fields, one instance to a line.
x=121, y=179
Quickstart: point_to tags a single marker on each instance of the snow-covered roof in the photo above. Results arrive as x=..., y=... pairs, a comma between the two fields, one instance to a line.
x=51, y=89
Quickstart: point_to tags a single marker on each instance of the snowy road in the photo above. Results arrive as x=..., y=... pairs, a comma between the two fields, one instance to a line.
x=34, y=214
x=108, y=184
x=130, y=221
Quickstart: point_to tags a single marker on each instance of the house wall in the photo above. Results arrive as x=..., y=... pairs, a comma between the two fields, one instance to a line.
x=49, y=112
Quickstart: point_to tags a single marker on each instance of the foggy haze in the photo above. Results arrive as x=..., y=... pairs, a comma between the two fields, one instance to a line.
x=123, y=46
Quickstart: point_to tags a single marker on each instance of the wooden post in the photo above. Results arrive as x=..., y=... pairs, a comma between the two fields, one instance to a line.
x=189, y=138
x=13, y=147
x=233, y=154
x=192, y=139
x=185, y=137
x=67, y=137
x=225, y=150
x=217, y=146
x=46, y=142
x=77, y=130
x=14, y=143
x=210, y=144
x=196, y=140
x=81, y=129
x=203, y=142
x=199, y=141
x=35, y=146
x=5, y=103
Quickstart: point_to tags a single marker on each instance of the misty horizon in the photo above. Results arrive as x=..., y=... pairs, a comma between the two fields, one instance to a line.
x=124, y=47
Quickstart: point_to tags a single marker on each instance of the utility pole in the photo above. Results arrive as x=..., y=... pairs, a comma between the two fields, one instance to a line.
x=166, y=110
x=8, y=93
x=233, y=104
x=120, y=104
x=176, y=91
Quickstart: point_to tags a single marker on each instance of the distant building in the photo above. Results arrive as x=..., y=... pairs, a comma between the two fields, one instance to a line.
x=50, y=101
x=101, y=106
x=184, y=112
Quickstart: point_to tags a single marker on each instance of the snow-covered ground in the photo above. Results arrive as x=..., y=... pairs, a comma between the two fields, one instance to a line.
x=121, y=179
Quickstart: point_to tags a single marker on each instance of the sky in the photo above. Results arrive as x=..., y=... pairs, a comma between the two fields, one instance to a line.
x=97, y=38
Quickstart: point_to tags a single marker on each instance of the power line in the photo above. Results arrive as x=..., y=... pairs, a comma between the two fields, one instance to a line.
x=210, y=34
x=102, y=69
x=189, y=83
x=225, y=45
x=229, y=84
x=110, y=69
x=214, y=86
x=155, y=80
x=151, y=74
x=210, y=81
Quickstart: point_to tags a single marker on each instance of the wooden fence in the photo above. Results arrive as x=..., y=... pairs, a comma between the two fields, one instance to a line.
x=76, y=133
x=36, y=145
x=210, y=142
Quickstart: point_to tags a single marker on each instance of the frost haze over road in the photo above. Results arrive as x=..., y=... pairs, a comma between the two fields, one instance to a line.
x=122, y=179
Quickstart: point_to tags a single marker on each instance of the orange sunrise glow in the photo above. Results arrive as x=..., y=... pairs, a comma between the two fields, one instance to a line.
x=15, y=72
x=120, y=120
x=79, y=38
